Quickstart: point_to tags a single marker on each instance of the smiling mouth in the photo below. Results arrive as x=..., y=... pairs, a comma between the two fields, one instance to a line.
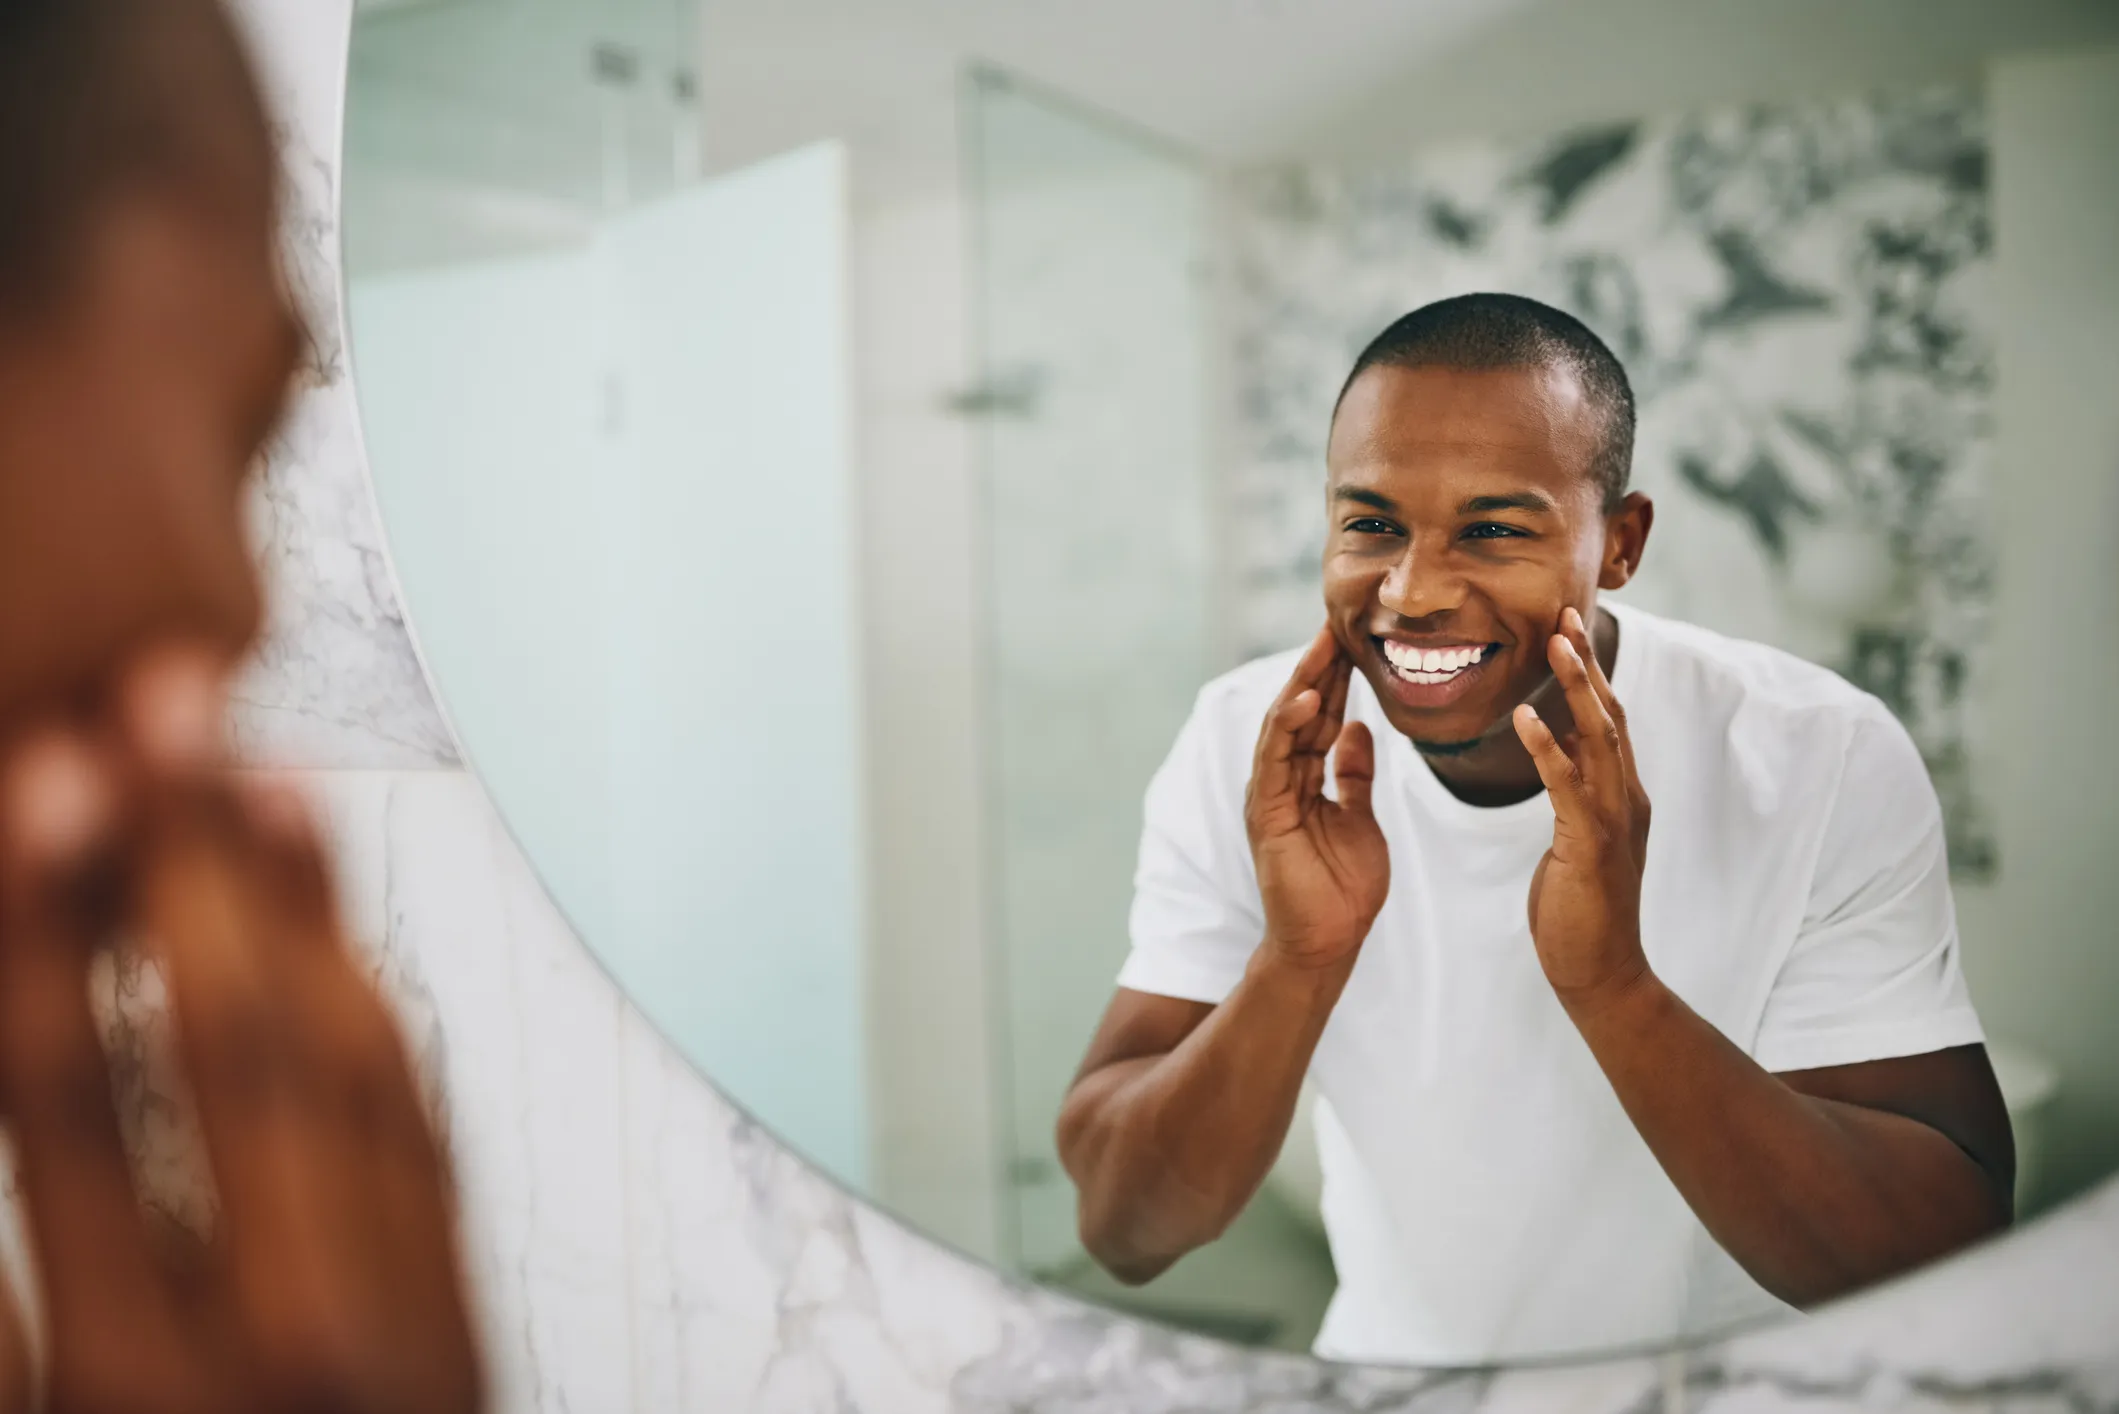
x=1433, y=667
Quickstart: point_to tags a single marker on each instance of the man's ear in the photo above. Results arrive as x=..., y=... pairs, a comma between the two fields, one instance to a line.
x=1625, y=540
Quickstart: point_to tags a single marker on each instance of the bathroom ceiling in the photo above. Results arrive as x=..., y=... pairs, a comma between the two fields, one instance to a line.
x=498, y=110
x=1226, y=78
x=1230, y=79
x=507, y=95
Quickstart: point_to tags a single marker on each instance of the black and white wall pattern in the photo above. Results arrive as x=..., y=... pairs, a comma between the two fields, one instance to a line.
x=1802, y=298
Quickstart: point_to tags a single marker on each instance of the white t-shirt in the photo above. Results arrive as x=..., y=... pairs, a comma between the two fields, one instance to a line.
x=1485, y=1195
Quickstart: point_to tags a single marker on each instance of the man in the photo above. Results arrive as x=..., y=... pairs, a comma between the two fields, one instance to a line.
x=1578, y=1084
x=145, y=352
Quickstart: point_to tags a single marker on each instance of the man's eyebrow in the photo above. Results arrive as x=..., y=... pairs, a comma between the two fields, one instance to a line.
x=1374, y=500
x=1515, y=501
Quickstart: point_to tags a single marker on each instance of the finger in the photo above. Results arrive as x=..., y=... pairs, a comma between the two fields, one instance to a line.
x=400, y=1199
x=170, y=710
x=1338, y=681
x=1562, y=777
x=1275, y=778
x=1600, y=762
x=1315, y=662
x=281, y=1279
x=105, y=1304
x=1288, y=714
x=1354, y=767
x=1578, y=631
x=281, y=1166
x=1316, y=740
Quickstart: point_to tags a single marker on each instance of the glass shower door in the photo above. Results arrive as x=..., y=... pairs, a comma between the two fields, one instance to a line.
x=1093, y=322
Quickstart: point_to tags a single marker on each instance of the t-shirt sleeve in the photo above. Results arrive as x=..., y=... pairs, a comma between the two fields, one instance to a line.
x=1196, y=916
x=1874, y=972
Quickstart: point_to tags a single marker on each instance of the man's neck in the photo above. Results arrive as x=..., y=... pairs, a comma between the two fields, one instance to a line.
x=1498, y=771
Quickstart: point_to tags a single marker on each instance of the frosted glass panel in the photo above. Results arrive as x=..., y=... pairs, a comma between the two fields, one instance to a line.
x=616, y=483
x=1093, y=324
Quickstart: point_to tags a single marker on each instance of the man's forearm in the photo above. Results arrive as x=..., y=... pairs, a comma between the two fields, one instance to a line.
x=1813, y=1197
x=1166, y=1150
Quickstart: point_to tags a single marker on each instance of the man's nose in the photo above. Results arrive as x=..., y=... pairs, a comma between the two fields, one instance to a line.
x=1421, y=584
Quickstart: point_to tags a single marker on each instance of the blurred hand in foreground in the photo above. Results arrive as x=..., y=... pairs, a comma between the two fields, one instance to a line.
x=330, y=1280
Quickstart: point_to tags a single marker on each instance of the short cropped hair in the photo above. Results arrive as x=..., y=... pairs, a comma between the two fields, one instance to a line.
x=1510, y=331
x=99, y=95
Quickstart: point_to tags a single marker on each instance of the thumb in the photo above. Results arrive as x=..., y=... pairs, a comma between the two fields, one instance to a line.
x=1354, y=767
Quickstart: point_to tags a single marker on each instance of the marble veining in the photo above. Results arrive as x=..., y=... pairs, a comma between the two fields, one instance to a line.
x=1801, y=296
x=336, y=681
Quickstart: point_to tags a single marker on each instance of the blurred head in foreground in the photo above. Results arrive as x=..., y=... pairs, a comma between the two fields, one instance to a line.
x=146, y=341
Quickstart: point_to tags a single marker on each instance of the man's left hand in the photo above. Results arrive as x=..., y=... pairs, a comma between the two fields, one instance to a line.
x=1585, y=899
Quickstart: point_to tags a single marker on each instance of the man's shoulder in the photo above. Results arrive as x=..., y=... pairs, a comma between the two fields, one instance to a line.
x=1222, y=732
x=1707, y=670
x=1243, y=693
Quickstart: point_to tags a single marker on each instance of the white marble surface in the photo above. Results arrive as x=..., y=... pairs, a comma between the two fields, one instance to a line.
x=336, y=681
x=637, y=1244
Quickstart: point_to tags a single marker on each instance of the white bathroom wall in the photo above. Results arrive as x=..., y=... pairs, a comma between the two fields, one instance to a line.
x=2046, y=965
x=933, y=1043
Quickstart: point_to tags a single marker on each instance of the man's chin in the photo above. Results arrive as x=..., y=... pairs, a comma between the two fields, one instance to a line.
x=1462, y=734
x=1448, y=748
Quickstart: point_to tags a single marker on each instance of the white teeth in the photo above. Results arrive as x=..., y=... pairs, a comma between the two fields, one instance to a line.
x=1432, y=664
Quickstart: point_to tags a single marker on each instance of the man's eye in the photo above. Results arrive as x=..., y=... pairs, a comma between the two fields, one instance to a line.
x=1492, y=530
x=1370, y=525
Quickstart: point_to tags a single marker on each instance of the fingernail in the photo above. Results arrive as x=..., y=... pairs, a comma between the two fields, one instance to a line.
x=174, y=709
x=58, y=801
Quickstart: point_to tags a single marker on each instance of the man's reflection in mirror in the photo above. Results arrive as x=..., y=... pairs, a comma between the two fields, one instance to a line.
x=1581, y=1082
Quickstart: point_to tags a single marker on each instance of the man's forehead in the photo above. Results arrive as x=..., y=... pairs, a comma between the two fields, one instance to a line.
x=1519, y=421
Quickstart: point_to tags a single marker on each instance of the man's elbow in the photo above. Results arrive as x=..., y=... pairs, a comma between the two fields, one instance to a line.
x=1137, y=1230
x=1116, y=1208
x=1915, y=1234
x=1125, y=1262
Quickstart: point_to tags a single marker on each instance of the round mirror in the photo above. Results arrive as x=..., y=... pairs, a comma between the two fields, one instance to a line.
x=994, y=558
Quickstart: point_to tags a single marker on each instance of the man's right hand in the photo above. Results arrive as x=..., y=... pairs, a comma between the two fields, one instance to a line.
x=1323, y=867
